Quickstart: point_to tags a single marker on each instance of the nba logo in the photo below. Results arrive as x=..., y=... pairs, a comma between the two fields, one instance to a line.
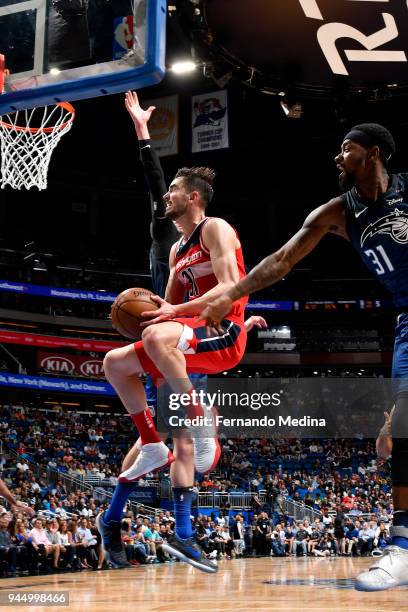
x=123, y=36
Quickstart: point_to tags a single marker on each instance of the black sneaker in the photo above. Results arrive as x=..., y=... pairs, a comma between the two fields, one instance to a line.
x=189, y=551
x=112, y=543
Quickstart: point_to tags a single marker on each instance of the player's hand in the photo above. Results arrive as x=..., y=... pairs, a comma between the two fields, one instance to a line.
x=139, y=115
x=384, y=442
x=22, y=507
x=165, y=312
x=386, y=428
x=214, y=313
x=255, y=321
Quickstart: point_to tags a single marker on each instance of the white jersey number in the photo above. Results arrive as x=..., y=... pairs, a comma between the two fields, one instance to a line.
x=381, y=260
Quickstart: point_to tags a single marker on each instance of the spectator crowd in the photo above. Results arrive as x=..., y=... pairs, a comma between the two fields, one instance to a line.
x=340, y=480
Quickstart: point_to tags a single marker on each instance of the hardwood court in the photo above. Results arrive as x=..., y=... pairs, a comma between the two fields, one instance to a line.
x=257, y=585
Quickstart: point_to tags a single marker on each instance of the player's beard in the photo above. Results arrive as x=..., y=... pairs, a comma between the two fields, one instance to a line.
x=175, y=212
x=347, y=180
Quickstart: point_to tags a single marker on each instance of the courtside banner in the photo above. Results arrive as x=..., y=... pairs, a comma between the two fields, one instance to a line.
x=42, y=383
x=57, y=292
x=99, y=346
x=296, y=408
x=265, y=305
x=163, y=125
x=95, y=296
x=63, y=364
x=210, y=122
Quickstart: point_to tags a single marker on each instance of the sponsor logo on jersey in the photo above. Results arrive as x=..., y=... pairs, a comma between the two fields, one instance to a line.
x=187, y=261
x=360, y=212
x=394, y=225
x=395, y=201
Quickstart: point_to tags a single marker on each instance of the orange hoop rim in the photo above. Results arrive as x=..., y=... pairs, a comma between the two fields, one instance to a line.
x=47, y=130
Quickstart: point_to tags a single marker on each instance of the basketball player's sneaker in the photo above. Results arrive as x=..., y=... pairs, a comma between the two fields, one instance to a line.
x=112, y=542
x=189, y=551
x=391, y=570
x=153, y=456
x=207, y=450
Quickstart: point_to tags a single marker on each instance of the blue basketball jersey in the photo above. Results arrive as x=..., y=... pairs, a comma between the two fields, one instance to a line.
x=379, y=232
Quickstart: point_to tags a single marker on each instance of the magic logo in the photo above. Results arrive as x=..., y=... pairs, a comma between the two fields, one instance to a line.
x=395, y=225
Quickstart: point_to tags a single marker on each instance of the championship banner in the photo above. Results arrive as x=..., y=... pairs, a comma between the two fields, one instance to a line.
x=60, y=363
x=210, y=122
x=163, y=125
x=98, y=346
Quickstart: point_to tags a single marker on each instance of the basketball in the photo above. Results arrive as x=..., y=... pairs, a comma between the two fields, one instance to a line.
x=126, y=311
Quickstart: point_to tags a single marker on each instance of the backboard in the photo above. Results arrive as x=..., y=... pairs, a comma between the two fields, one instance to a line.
x=63, y=50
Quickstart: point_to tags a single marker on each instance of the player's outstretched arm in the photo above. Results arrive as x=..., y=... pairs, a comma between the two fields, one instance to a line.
x=140, y=117
x=161, y=229
x=327, y=218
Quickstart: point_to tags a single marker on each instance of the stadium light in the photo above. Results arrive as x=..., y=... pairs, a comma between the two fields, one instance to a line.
x=183, y=67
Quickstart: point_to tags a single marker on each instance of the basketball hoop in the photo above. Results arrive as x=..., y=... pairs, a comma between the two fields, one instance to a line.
x=27, y=140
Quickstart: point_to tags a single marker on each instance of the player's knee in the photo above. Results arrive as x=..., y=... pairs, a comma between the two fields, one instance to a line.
x=153, y=340
x=184, y=449
x=116, y=364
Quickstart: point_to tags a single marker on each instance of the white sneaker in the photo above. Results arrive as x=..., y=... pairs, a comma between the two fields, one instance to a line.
x=207, y=450
x=207, y=453
x=391, y=570
x=153, y=456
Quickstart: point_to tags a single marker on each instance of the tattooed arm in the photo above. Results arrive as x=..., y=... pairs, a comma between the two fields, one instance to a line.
x=328, y=218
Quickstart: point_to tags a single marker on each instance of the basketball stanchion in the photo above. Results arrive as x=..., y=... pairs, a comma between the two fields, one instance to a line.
x=27, y=140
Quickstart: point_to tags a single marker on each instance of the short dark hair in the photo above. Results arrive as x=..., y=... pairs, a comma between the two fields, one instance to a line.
x=198, y=178
x=379, y=136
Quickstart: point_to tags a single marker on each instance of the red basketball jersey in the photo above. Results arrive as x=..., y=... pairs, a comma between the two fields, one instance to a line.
x=195, y=271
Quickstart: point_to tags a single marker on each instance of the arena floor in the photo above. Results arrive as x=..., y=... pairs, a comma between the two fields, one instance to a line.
x=240, y=585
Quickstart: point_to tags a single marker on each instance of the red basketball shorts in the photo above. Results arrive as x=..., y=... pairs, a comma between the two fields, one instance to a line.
x=203, y=355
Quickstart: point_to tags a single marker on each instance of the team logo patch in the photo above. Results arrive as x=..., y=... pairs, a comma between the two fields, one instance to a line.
x=395, y=225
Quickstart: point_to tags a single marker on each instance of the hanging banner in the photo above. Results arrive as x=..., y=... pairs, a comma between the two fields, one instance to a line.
x=163, y=125
x=60, y=363
x=210, y=122
x=97, y=346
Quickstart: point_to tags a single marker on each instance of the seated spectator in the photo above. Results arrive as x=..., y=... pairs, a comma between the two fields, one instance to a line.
x=89, y=541
x=12, y=553
x=42, y=544
x=322, y=547
x=365, y=540
x=79, y=546
x=301, y=539
x=228, y=543
x=314, y=539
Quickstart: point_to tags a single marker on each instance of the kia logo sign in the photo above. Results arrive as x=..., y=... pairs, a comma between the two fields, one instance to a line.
x=93, y=367
x=59, y=364
x=311, y=44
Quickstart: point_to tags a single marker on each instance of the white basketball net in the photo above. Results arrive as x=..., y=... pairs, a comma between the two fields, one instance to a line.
x=28, y=139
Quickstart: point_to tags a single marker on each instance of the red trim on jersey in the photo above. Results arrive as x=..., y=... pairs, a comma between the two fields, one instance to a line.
x=195, y=271
x=208, y=359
